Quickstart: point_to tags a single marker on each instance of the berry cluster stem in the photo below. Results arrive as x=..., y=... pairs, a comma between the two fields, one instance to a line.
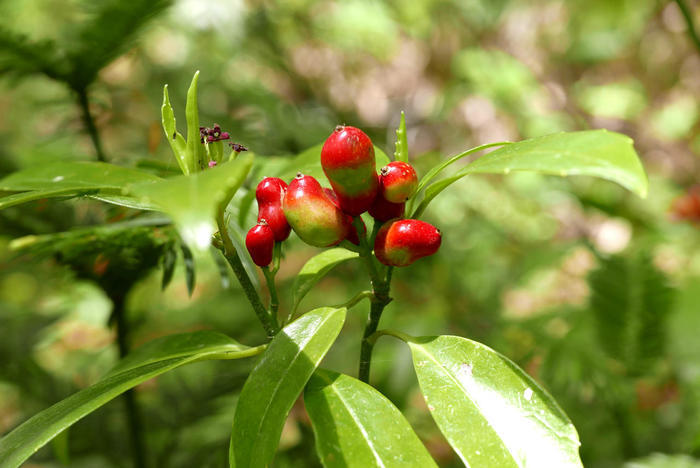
x=267, y=319
x=378, y=301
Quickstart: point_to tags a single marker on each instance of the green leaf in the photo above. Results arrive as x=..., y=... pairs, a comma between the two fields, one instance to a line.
x=151, y=360
x=78, y=176
x=168, y=262
x=25, y=197
x=490, y=411
x=193, y=201
x=190, y=270
x=176, y=141
x=316, y=268
x=125, y=201
x=356, y=426
x=276, y=382
x=195, y=151
x=401, y=145
x=598, y=153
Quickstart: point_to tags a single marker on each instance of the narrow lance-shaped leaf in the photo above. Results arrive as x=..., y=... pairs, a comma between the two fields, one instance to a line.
x=357, y=427
x=151, y=360
x=401, y=145
x=276, y=382
x=190, y=271
x=193, y=201
x=195, y=151
x=176, y=141
x=316, y=268
x=491, y=412
x=598, y=153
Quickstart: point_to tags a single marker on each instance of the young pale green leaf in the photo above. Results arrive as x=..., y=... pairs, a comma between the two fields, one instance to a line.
x=401, y=145
x=193, y=201
x=195, y=150
x=356, y=426
x=598, y=153
x=275, y=383
x=316, y=268
x=491, y=412
x=176, y=141
x=144, y=363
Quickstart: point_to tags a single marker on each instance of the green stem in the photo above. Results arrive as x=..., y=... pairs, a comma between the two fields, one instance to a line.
x=379, y=300
x=268, y=321
x=355, y=300
x=689, y=21
x=133, y=412
x=89, y=122
x=270, y=280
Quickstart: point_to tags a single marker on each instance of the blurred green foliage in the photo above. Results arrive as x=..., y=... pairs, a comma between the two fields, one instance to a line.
x=595, y=292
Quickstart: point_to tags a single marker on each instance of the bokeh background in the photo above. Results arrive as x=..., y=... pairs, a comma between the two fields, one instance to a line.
x=595, y=292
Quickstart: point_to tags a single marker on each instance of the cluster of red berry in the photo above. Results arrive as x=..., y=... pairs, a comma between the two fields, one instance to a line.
x=323, y=217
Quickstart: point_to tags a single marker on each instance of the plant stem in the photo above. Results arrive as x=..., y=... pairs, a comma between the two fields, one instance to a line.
x=133, y=413
x=379, y=300
x=89, y=122
x=355, y=300
x=274, y=301
x=268, y=321
x=689, y=21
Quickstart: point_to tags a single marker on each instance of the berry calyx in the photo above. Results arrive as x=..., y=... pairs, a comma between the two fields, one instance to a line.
x=270, y=195
x=347, y=159
x=260, y=242
x=402, y=242
x=399, y=181
x=313, y=215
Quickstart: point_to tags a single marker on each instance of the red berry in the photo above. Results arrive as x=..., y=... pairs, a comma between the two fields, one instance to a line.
x=270, y=195
x=352, y=234
x=383, y=210
x=260, y=242
x=312, y=213
x=348, y=161
x=399, y=181
x=402, y=242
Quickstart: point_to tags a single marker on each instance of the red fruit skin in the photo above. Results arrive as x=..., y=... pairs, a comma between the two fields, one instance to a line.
x=260, y=242
x=383, y=210
x=352, y=235
x=270, y=195
x=398, y=181
x=347, y=159
x=402, y=242
x=313, y=215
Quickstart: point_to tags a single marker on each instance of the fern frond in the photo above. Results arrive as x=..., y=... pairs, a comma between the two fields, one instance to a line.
x=21, y=56
x=631, y=300
x=107, y=33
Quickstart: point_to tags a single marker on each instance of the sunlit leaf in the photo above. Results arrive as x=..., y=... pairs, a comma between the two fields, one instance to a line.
x=144, y=363
x=316, y=268
x=356, y=426
x=175, y=139
x=401, y=145
x=491, y=412
x=193, y=201
x=598, y=153
x=276, y=382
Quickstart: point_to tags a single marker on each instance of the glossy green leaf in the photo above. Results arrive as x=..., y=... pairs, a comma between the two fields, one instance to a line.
x=74, y=175
x=176, y=141
x=150, y=360
x=33, y=195
x=195, y=149
x=125, y=201
x=276, y=382
x=491, y=412
x=356, y=426
x=193, y=201
x=598, y=153
x=316, y=268
x=401, y=145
